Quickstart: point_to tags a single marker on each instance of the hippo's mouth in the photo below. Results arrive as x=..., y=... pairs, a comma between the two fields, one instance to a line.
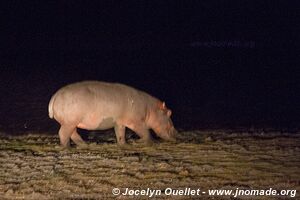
x=172, y=135
x=169, y=135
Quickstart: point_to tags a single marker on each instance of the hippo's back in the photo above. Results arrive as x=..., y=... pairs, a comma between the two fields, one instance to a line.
x=89, y=95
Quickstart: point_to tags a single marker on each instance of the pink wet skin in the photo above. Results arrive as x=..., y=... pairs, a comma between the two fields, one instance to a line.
x=95, y=105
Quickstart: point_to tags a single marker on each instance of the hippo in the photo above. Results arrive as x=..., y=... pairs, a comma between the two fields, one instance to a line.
x=96, y=105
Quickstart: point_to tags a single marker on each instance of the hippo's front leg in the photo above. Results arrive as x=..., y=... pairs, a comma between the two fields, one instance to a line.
x=145, y=136
x=120, y=134
x=143, y=132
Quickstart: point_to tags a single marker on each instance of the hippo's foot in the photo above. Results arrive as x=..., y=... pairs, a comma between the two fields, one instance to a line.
x=147, y=142
x=171, y=140
x=82, y=145
x=62, y=148
x=121, y=142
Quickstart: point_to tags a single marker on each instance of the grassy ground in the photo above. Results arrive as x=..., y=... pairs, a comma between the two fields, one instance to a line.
x=35, y=167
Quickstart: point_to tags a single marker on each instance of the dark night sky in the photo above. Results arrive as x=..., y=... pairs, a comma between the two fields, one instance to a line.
x=215, y=63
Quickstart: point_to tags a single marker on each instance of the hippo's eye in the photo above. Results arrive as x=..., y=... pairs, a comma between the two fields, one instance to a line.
x=162, y=112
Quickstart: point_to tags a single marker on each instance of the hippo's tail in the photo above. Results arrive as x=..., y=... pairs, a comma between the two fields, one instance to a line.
x=50, y=107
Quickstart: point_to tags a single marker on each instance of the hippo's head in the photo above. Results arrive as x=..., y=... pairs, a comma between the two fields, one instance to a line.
x=161, y=123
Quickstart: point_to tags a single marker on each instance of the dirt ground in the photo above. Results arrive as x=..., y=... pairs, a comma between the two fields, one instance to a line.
x=34, y=166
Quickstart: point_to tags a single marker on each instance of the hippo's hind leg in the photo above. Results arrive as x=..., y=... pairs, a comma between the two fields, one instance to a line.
x=76, y=138
x=65, y=133
x=120, y=134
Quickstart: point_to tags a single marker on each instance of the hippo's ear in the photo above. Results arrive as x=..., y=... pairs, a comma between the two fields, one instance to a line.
x=169, y=113
x=162, y=106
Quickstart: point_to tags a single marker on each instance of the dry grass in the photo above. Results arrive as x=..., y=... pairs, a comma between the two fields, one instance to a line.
x=35, y=167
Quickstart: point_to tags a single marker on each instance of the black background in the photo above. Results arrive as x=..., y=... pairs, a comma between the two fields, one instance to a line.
x=217, y=64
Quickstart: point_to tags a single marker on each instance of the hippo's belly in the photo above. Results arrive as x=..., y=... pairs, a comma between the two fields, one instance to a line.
x=106, y=123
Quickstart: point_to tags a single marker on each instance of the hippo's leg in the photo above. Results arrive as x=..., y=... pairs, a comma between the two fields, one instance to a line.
x=76, y=138
x=65, y=133
x=120, y=134
x=143, y=133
